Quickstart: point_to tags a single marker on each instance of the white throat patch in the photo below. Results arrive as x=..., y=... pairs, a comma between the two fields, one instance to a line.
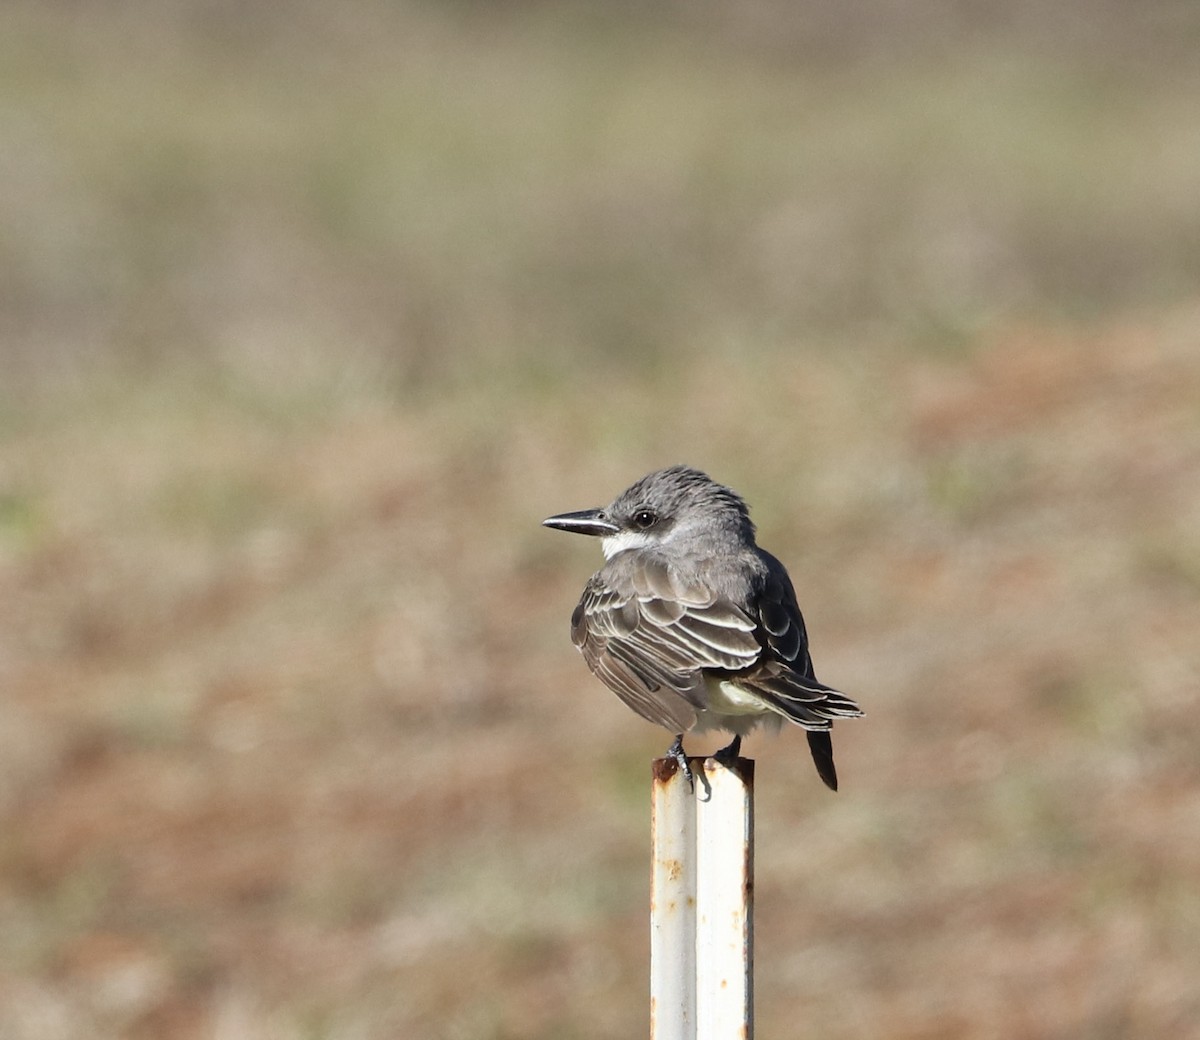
x=618, y=543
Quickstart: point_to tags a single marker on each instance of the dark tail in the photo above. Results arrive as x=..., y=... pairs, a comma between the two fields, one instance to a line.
x=821, y=747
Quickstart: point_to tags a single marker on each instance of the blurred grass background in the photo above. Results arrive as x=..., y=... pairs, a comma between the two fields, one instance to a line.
x=309, y=313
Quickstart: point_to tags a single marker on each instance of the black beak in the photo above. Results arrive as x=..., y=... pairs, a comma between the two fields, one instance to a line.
x=586, y=521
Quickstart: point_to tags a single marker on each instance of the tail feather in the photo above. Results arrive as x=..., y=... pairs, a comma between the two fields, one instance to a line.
x=821, y=747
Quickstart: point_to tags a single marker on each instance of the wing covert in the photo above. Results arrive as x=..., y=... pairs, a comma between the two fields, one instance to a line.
x=649, y=636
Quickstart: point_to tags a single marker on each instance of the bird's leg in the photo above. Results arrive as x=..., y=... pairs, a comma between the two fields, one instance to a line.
x=676, y=752
x=730, y=752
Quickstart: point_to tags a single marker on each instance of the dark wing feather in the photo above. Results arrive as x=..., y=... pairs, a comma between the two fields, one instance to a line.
x=784, y=675
x=649, y=636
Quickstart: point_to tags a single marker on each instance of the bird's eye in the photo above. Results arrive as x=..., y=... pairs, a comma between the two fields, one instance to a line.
x=645, y=519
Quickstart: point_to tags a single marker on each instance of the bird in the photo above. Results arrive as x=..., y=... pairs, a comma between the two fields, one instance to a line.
x=693, y=625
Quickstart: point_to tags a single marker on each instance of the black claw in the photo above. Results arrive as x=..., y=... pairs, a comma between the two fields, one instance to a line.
x=731, y=751
x=676, y=752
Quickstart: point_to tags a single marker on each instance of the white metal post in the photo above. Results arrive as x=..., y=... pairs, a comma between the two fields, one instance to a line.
x=672, y=906
x=702, y=902
x=725, y=901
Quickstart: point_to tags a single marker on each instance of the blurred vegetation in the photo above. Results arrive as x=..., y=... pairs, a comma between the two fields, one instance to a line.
x=309, y=313
x=427, y=194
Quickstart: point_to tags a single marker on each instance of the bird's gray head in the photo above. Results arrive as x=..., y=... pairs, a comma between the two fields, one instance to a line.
x=676, y=507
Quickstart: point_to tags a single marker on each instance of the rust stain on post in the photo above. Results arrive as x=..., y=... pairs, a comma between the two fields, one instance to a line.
x=664, y=769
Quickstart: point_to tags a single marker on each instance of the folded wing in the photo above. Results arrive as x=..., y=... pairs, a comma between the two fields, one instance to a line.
x=784, y=674
x=649, y=636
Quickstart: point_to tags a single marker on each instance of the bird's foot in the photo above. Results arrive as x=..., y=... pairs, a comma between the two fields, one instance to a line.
x=731, y=751
x=676, y=752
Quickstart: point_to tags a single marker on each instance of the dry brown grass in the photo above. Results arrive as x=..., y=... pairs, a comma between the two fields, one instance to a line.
x=294, y=743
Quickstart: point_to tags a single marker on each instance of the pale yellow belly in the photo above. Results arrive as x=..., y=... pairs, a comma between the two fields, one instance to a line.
x=734, y=709
x=724, y=698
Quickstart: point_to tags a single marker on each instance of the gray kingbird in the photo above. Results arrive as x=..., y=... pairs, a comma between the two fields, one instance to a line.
x=692, y=624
